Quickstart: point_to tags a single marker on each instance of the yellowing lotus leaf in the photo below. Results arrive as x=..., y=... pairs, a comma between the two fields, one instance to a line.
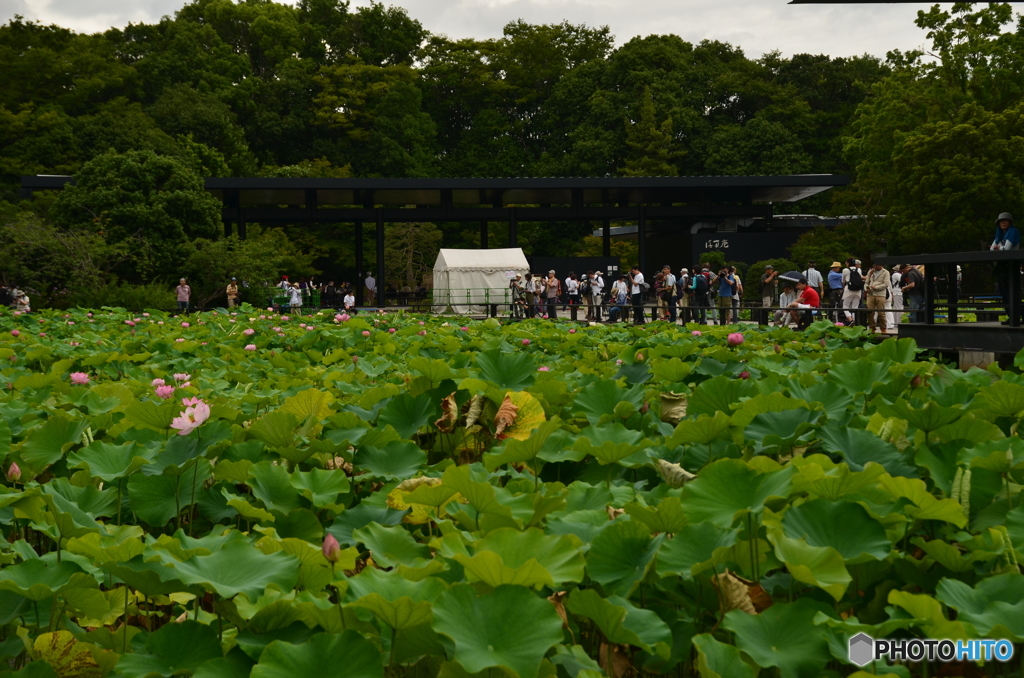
x=520, y=413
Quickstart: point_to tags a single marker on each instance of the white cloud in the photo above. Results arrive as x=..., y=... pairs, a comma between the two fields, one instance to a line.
x=757, y=26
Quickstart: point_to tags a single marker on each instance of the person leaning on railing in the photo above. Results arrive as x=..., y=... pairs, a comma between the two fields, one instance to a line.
x=1007, y=238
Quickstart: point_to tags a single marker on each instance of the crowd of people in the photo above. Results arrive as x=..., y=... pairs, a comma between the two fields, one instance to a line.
x=845, y=294
x=14, y=298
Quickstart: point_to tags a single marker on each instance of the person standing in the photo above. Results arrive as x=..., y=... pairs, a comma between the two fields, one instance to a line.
x=371, y=288
x=769, y=279
x=572, y=291
x=683, y=295
x=295, y=298
x=1007, y=238
x=636, y=290
x=814, y=278
x=835, y=290
x=597, y=294
x=232, y=293
x=876, y=284
x=913, y=292
x=668, y=287
x=184, y=294
x=726, y=291
x=853, y=290
x=897, y=295
x=737, y=294
x=552, y=286
x=699, y=287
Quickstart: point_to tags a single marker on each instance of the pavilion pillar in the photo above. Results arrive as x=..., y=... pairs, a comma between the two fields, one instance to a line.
x=380, y=259
x=228, y=228
x=512, y=223
x=359, y=263
x=483, y=235
x=606, y=238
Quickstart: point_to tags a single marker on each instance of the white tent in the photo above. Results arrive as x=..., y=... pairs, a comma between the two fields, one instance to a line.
x=469, y=280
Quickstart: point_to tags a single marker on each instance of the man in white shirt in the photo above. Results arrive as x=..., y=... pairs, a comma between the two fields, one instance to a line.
x=853, y=289
x=787, y=297
x=814, y=279
x=371, y=289
x=636, y=291
x=596, y=290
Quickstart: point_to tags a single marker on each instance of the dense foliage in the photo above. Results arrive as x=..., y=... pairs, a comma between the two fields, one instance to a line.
x=234, y=494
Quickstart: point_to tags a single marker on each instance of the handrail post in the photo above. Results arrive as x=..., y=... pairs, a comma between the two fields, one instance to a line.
x=929, y=296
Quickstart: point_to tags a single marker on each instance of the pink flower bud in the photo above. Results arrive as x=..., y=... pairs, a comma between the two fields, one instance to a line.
x=14, y=472
x=744, y=375
x=695, y=333
x=572, y=331
x=248, y=331
x=331, y=549
x=464, y=328
x=15, y=333
x=543, y=368
x=184, y=324
x=250, y=347
x=526, y=342
x=735, y=339
x=164, y=392
x=366, y=333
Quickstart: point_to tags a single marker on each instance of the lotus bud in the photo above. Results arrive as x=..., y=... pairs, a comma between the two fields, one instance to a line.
x=526, y=342
x=916, y=381
x=778, y=349
x=14, y=472
x=822, y=342
x=331, y=549
x=695, y=333
x=744, y=375
x=645, y=407
x=735, y=338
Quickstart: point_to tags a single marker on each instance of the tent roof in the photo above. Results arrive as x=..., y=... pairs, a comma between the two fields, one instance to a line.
x=507, y=259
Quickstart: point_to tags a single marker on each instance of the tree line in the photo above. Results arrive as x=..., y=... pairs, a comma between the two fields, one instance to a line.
x=260, y=88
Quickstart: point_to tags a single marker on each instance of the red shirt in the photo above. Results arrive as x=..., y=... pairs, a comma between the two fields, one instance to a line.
x=810, y=297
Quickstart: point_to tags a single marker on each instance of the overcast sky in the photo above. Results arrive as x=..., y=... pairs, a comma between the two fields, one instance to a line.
x=757, y=26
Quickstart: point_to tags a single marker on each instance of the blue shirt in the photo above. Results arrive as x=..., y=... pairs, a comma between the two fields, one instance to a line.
x=835, y=280
x=725, y=286
x=1008, y=240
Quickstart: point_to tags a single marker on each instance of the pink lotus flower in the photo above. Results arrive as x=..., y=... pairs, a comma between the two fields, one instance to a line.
x=179, y=340
x=422, y=323
x=840, y=324
x=572, y=331
x=391, y=330
x=464, y=329
x=270, y=308
x=231, y=320
x=42, y=334
x=366, y=333
x=184, y=324
x=185, y=384
x=145, y=315
x=130, y=323
x=344, y=317
x=88, y=315
x=181, y=376
x=190, y=402
x=695, y=333
x=71, y=322
x=80, y=378
x=250, y=347
x=14, y=472
x=17, y=313
x=164, y=392
x=193, y=416
x=422, y=333
x=618, y=362
x=543, y=368
x=15, y=333
x=331, y=549
x=157, y=382
x=284, y=318
x=735, y=339
x=526, y=342
x=248, y=331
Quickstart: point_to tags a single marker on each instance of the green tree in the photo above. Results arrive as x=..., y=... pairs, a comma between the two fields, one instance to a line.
x=156, y=203
x=410, y=250
x=625, y=250
x=649, y=142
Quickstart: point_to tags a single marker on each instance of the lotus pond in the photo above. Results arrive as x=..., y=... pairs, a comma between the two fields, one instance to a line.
x=231, y=495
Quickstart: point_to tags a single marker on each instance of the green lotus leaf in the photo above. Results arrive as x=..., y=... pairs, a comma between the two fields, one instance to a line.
x=174, y=458
x=844, y=525
x=1000, y=399
x=785, y=636
x=118, y=544
x=968, y=428
x=321, y=487
x=621, y=622
x=393, y=599
x=36, y=579
x=634, y=373
x=397, y=460
x=109, y=462
x=1000, y=456
x=573, y=660
x=621, y=555
x=719, y=394
x=765, y=403
x=928, y=612
x=597, y=402
x=926, y=507
x=515, y=451
x=272, y=485
x=527, y=558
x=434, y=370
x=322, y=655
x=950, y=557
x=311, y=403
x=238, y=567
x=833, y=398
x=727, y=487
x=718, y=660
x=46, y=444
x=610, y=443
x=392, y=546
x=821, y=566
x=994, y=607
x=692, y=550
x=488, y=630
x=173, y=649
x=148, y=414
x=859, y=376
x=65, y=515
x=407, y=413
x=665, y=516
x=701, y=431
x=149, y=578
x=233, y=665
x=820, y=477
x=276, y=429
x=671, y=371
x=930, y=417
x=512, y=371
x=480, y=495
x=858, y=447
x=360, y=516
x=156, y=499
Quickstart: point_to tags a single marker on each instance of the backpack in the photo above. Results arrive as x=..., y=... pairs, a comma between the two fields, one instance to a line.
x=584, y=288
x=856, y=283
x=702, y=284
